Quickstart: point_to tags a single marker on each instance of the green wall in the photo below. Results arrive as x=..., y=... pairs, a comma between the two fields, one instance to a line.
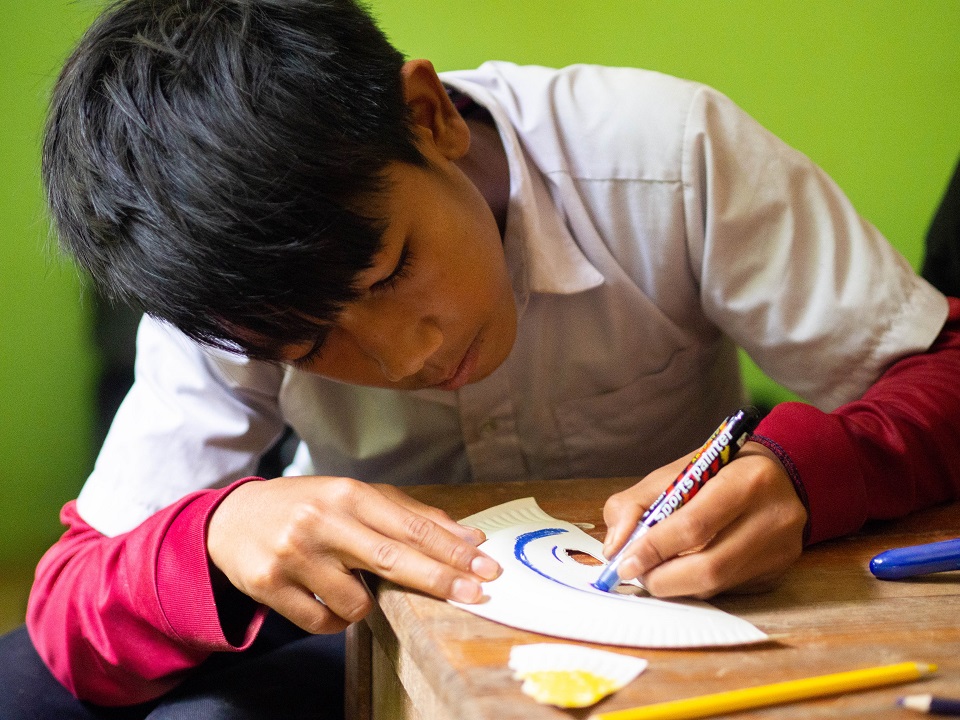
x=870, y=90
x=46, y=362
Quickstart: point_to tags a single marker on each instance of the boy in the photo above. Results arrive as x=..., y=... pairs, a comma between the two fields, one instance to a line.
x=507, y=273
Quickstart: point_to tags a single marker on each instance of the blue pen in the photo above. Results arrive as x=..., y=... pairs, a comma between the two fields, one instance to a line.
x=930, y=704
x=917, y=560
x=706, y=462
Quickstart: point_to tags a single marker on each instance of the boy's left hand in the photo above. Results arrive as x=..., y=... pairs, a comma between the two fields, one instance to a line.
x=741, y=531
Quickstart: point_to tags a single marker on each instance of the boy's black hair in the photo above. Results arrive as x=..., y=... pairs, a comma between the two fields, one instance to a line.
x=216, y=162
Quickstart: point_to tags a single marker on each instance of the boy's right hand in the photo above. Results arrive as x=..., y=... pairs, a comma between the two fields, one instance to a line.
x=284, y=540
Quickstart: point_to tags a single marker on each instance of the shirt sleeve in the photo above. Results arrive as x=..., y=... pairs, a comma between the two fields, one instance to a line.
x=120, y=620
x=195, y=418
x=892, y=452
x=787, y=267
x=123, y=604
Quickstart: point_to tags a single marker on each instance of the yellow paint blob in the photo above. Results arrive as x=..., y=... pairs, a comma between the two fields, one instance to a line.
x=567, y=688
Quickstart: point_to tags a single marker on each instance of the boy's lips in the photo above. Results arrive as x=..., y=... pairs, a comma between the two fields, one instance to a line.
x=461, y=375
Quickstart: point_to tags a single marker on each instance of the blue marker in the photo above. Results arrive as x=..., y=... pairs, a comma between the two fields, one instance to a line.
x=917, y=560
x=706, y=462
x=930, y=704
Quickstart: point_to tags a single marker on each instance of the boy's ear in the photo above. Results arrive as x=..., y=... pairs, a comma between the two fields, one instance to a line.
x=433, y=111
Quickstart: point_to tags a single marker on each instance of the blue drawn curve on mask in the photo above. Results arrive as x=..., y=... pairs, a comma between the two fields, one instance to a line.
x=520, y=547
x=519, y=552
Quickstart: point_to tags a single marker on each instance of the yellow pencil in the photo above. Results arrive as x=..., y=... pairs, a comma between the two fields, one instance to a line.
x=775, y=694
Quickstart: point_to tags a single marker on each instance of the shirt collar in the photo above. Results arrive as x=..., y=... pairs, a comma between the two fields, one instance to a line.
x=541, y=253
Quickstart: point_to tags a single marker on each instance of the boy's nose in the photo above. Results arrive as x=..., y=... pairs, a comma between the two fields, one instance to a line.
x=405, y=350
x=400, y=345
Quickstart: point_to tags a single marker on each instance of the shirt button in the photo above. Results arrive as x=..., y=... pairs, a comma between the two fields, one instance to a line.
x=489, y=427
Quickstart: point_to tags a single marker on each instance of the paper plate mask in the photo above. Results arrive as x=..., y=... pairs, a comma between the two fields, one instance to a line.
x=544, y=589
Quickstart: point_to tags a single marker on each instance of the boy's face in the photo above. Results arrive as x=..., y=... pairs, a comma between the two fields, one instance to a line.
x=437, y=308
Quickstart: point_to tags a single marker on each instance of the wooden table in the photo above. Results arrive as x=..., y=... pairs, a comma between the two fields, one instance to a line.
x=418, y=657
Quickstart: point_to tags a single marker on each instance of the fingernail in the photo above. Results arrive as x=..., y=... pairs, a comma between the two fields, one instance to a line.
x=466, y=591
x=472, y=535
x=629, y=569
x=485, y=567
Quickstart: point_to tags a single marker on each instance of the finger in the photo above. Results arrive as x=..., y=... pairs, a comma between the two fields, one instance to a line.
x=404, y=564
x=748, y=551
x=340, y=590
x=621, y=513
x=411, y=529
x=744, y=556
x=623, y=510
x=301, y=607
x=688, y=528
x=472, y=535
x=287, y=586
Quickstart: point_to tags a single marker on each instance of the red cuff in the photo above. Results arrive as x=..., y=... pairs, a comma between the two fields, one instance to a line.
x=812, y=445
x=888, y=454
x=184, y=587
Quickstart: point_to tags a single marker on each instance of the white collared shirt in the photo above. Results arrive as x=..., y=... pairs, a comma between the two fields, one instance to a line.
x=652, y=228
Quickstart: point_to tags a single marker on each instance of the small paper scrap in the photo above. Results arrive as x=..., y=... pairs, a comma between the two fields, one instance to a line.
x=571, y=676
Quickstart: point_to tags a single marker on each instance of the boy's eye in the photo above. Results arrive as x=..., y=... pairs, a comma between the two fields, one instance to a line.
x=400, y=271
x=312, y=354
